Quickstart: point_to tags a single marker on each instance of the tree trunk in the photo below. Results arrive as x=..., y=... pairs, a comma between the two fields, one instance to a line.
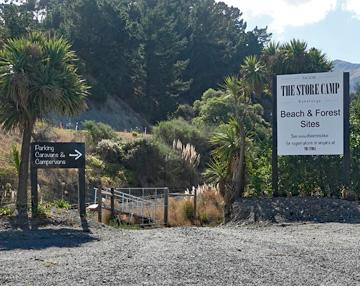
x=229, y=199
x=222, y=189
x=239, y=172
x=22, y=195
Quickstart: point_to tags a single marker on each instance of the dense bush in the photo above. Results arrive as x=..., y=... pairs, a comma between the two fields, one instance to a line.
x=98, y=131
x=109, y=151
x=184, y=111
x=44, y=132
x=178, y=129
x=144, y=160
x=212, y=109
x=152, y=163
x=102, y=173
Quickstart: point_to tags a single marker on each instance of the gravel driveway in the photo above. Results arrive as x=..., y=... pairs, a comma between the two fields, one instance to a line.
x=302, y=254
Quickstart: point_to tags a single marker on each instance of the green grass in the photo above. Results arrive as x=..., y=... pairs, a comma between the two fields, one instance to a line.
x=6, y=211
x=42, y=210
x=61, y=204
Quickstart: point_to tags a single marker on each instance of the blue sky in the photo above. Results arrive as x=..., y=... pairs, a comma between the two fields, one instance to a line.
x=330, y=25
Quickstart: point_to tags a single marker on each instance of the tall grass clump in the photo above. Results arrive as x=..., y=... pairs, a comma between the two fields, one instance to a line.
x=209, y=208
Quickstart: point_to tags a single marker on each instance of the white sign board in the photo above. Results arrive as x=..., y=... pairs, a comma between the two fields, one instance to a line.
x=310, y=114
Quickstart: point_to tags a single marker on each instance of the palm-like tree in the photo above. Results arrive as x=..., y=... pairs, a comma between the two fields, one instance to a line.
x=38, y=76
x=225, y=165
x=317, y=61
x=228, y=167
x=294, y=55
x=271, y=57
x=253, y=72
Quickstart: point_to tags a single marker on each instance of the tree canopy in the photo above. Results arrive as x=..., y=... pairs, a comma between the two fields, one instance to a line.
x=37, y=77
x=154, y=54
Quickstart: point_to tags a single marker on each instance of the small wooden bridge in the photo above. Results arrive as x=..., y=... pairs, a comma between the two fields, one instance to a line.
x=143, y=206
x=146, y=207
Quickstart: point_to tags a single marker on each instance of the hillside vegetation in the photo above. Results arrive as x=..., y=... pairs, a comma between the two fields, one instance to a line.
x=152, y=55
x=191, y=73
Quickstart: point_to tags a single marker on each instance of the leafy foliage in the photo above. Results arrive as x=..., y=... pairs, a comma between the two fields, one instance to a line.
x=109, y=151
x=212, y=109
x=37, y=72
x=61, y=204
x=154, y=54
x=38, y=76
x=15, y=157
x=178, y=129
x=98, y=131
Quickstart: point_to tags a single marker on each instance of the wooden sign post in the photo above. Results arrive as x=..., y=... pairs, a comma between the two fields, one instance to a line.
x=46, y=155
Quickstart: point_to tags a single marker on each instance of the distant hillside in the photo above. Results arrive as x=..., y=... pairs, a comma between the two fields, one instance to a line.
x=114, y=112
x=354, y=70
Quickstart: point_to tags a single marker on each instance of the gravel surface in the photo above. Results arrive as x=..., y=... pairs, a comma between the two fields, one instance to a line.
x=296, y=209
x=296, y=254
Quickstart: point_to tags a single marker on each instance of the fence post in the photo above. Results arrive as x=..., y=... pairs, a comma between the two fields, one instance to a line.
x=195, y=199
x=166, y=207
x=112, y=203
x=99, y=202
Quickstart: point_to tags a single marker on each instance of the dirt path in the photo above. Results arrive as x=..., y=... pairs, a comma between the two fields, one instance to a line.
x=312, y=254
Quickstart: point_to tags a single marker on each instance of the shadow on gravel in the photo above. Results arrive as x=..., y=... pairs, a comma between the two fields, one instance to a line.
x=11, y=239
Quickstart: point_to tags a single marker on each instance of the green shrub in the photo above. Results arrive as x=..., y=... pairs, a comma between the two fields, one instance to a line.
x=175, y=129
x=153, y=163
x=179, y=129
x=144, y=160
x=213, y=108
x=6, y=211
x=98, y=131
x=61, y=204
x=185, y=112
x=42, y=210
x=94, y=162
x=109, y=151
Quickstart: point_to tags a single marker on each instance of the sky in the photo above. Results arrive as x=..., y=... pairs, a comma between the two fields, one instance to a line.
x=332, y=26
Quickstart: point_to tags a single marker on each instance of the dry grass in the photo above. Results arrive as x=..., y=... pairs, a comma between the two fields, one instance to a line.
x=209, y=208
x=66, y=135
x=181, y=210
x=49, y=180
x=132, y=136
x=6, y=140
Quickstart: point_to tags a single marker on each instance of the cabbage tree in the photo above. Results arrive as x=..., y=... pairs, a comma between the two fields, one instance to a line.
x=38, y=76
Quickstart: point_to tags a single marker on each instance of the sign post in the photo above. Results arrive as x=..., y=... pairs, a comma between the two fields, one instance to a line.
x=311, y=117
x=46, y=155
x=274, y=159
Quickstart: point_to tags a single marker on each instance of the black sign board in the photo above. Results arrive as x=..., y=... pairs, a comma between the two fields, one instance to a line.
x=57, y=155
x=45, y=155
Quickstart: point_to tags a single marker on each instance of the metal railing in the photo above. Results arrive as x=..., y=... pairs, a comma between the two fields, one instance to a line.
x=143, y=206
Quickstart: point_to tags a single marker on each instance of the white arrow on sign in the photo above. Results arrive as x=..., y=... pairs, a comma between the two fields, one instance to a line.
x=77, y=155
